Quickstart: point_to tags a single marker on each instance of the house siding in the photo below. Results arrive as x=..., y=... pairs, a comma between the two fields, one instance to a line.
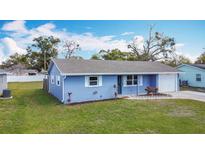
x=3, y=82
x=189, y=74
x=54, y=89
x=80, y=93
x=76, y=86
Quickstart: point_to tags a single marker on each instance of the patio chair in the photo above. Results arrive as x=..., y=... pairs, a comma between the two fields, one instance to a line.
x=151, y=90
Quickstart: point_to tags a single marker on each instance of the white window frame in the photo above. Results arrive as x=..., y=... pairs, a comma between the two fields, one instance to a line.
x=132, y=80
x=57, y=80
x=87, y=81
x=52, y=79
x=139, y=81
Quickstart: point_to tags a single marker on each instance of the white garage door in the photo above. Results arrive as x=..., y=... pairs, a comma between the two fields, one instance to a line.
x=167, y=82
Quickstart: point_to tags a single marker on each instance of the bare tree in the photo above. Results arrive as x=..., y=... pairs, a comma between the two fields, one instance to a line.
x=177, y=60
x=156, y=47
x=71, y=47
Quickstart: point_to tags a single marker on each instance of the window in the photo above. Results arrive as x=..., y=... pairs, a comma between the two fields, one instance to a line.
x=93, y=81
x=52, y=79
x=31, y=74
x=131, y=80
x=58, y=80
x=198, y=77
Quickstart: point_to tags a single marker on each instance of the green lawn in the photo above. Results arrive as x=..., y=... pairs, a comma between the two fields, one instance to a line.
x=33, y=111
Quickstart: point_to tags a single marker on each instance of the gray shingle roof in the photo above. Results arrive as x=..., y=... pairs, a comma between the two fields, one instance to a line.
x=73, y=66
x=202, y=66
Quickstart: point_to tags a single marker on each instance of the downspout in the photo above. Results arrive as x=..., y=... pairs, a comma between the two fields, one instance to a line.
x=158, y=83
x=48, y=81
x=137, y=85
x=176, y=82
x=63, y=89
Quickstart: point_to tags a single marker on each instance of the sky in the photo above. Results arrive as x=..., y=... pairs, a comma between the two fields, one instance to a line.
x=94, y=35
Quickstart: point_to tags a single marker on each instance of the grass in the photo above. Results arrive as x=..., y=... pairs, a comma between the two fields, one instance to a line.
x=34, y=111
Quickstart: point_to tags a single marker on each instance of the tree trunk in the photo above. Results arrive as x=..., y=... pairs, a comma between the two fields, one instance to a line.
x=44, y=59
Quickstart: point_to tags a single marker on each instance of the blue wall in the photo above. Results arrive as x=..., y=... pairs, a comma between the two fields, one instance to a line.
x=53, y=88
x=76, y=85
x=148, y=80
x=190, y=75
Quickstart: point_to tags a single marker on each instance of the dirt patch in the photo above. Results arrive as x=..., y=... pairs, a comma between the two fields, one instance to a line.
x=181, y=111
x=165, y=103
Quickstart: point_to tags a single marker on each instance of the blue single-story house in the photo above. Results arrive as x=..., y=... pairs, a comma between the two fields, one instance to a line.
x=73, y=80
x=193, y=73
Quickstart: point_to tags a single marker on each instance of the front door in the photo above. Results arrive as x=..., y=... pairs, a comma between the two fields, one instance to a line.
x=119, y=84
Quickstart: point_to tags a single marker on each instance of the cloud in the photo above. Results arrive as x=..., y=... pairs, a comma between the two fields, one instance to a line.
x=8, y=47
x=107, y=38
x=88, y=42
x=15, y=26
x=12, y=46
x=180, y=51
x=127, y=33
x=45, y=29
x=179, y=45
x=138, y=41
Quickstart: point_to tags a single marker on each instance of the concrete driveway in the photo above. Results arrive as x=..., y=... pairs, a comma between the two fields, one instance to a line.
x=200, y=96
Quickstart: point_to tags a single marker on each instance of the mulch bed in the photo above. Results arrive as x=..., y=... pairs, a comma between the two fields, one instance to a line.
x=158, y=94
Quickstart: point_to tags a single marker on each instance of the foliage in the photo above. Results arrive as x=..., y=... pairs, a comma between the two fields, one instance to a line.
x=156, y=47
x=114, y=54
x=32, y=110
x=76, y=57
x=96, y=56
x=41, y=51
x=70, y=48
x=16, y=59
x=201, y=59
x=177, y=60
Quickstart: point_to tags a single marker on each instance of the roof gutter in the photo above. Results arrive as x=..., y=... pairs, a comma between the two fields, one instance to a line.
x=5, y=73
x=63, y=89
x=79, y=74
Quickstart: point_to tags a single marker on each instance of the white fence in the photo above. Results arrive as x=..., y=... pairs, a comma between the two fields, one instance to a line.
x=25, y=78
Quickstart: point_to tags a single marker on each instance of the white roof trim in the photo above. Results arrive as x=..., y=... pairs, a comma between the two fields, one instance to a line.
x=57, y=67
x=79, y=74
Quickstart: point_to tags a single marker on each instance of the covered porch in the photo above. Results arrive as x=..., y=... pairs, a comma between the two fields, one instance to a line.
x=136, y=84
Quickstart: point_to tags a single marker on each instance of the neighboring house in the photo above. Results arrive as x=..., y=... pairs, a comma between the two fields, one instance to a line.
x=21, y=70
x=20, y=73
x=3, y=80
x=193, y=73
x=74, y=81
